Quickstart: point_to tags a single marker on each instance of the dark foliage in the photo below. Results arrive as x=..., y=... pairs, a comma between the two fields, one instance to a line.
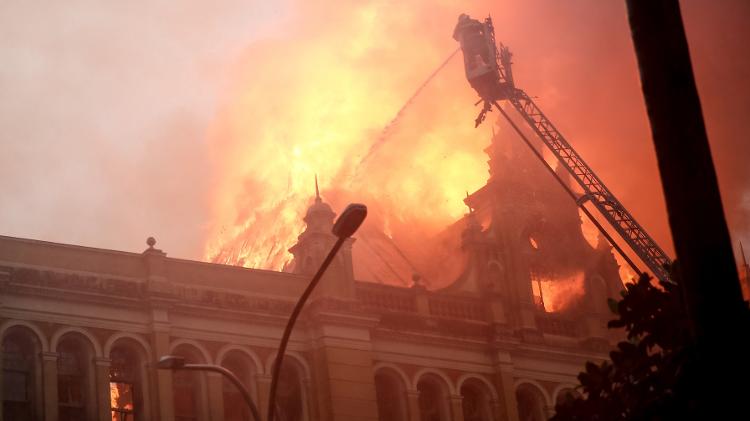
x=651, y=374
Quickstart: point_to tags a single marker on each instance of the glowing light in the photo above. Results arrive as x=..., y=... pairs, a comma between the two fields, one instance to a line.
x=314, y=102
x=121, y=400
x=558, y=293
x=626, y=273
x=589, y=230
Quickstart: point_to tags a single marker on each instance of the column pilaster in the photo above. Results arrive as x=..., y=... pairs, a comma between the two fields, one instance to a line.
x=165, y=397
x=412, y=398
x=506, y=407
x=101, y=366
x=215, y=396
x=49, y=373
x=457, y=409
x=263, y=382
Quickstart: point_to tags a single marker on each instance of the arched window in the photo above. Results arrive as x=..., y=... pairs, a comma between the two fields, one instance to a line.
x=125, y=387
x=391, y=396
x=235, y=407
x=21, y=370
x=75, y=393
x=290, y=396
x=530, y=403
x=189, y=388
x=476, y=401
x=433, y=399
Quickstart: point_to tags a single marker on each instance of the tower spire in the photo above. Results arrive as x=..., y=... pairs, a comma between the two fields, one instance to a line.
x=317, y=191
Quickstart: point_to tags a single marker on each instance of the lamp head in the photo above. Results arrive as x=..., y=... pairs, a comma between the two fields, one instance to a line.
x=349, y=220
x=170, y=362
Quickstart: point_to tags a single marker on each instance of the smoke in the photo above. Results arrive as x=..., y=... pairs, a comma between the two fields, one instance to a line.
x=391, y=124
x=320, y=92
x=194, y=121
x=104, y=114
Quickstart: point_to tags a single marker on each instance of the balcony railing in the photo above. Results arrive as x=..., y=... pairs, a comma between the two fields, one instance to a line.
x=555, y=324
x=456, y=308
x=387, y=298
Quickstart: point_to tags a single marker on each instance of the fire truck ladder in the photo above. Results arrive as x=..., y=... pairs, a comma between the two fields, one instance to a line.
x=503, y=88
x=594, y=189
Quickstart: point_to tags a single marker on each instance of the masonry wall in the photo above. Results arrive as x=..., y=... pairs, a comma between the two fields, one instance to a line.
x=153, y=306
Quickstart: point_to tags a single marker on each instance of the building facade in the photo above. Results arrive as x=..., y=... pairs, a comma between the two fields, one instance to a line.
x=82, y=328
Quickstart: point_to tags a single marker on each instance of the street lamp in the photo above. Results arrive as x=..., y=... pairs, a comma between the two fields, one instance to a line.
x=346, y=225
x=173, y=362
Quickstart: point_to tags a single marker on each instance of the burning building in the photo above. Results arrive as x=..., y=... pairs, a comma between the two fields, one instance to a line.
x=492, y=320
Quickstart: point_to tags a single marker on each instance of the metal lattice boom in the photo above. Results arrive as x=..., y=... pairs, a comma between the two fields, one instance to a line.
x=495, y=83
x=595, y=190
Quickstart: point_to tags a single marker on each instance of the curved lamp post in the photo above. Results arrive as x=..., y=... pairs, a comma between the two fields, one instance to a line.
x=172, y=362
x=346, y=225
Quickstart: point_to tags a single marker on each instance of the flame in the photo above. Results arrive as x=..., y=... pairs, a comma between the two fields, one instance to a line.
x=114, y=395
x=315, y=100
x=558, y=293
x=626, y=273
x=589, y=230
x=120, y=399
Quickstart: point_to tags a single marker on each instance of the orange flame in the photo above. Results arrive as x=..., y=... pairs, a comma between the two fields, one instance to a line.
x=114, y=395
x=120, y=397
x=589, y=230
x=558, y=293
x=626, y=273
x=315, y=101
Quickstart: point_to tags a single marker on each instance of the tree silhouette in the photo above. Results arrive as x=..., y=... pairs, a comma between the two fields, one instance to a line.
x=653, y=374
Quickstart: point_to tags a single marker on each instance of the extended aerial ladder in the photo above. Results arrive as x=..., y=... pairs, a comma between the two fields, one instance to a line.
x=488, y=70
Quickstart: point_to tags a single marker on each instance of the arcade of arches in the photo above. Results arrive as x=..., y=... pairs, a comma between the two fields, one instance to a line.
x=116, y=386
x=82, y=328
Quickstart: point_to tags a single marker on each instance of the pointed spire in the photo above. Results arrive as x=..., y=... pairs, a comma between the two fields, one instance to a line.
x=466, y=202
x=742, y=251
x=317, y=191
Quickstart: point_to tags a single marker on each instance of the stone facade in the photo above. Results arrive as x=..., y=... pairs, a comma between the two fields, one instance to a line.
x=82, y=328
x=358, y=349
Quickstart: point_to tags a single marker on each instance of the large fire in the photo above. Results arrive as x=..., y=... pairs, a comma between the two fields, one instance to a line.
x=557, y=294
x=315, y=100
x=352, y=94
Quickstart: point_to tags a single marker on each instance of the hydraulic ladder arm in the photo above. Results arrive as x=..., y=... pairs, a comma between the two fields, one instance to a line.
x=489, y=72
x=594, y=189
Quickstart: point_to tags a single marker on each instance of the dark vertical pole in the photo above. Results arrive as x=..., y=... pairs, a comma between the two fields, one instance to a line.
x=696, y=215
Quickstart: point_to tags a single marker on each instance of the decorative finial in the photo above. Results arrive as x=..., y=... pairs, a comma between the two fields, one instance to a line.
x=151, y=241
x=466, y=202
x=317, y=191
x=417, y=281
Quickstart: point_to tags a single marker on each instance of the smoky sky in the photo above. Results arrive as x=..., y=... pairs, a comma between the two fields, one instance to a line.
x=103, y=114
x=105, y=106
